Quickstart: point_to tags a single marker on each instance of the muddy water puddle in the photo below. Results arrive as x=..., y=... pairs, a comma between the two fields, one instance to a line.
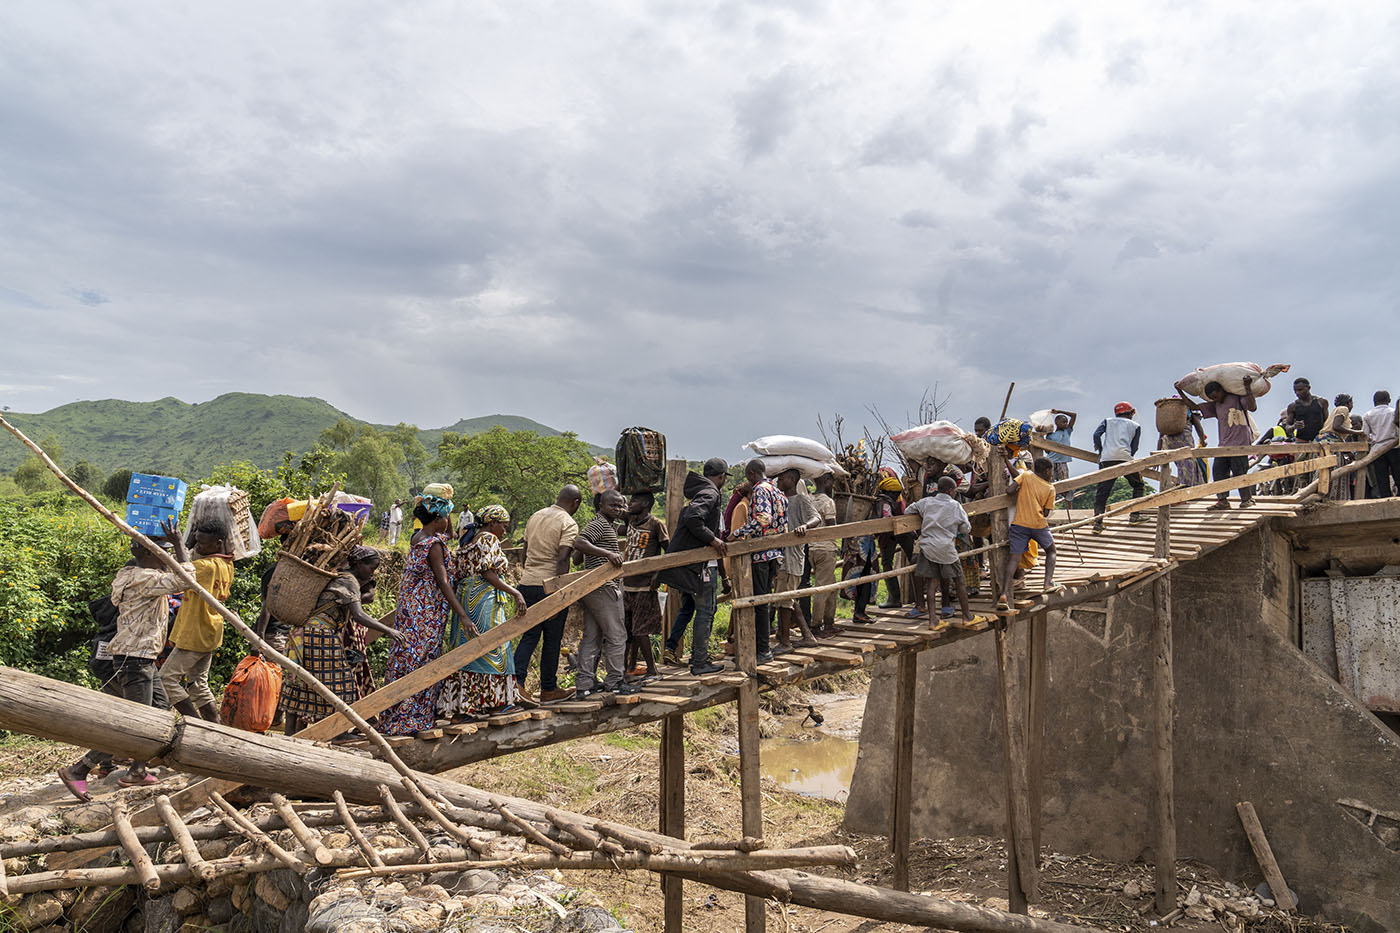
x=817, y=760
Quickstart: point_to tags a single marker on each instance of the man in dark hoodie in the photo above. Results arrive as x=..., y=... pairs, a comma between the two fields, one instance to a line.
x=698, y=527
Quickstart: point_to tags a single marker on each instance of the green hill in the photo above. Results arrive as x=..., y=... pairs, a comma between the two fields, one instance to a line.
x=175, y=438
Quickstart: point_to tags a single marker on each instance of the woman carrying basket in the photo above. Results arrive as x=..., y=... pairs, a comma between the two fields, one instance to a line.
x=488, y=683
x=324, y=643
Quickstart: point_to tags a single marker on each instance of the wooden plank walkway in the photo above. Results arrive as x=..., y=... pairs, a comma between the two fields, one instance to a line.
x=1091, y=566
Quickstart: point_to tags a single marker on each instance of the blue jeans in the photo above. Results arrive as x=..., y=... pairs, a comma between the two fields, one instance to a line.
x=552, y=630
x=701, y=608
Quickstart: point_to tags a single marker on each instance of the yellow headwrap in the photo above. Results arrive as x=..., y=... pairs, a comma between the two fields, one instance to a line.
x=891, y=484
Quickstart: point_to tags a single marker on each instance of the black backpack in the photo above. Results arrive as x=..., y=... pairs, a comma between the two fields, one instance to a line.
x=641, y=461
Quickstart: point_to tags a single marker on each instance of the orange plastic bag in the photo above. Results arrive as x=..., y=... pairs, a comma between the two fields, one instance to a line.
x=250, y=699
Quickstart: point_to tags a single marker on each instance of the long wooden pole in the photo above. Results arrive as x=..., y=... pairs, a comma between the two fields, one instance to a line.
x=751, y=795
x=672, y=799
x=1163, y=709
x=1264, y=853
x=902, y=799
x=1039, y=673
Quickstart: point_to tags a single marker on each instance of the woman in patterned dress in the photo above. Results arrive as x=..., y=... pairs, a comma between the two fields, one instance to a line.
x=426, y=598
x=319, y=644
x=488, y=683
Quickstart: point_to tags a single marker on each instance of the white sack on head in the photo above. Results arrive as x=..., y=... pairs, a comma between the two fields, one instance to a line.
x=808, y=467
x=227, y=505
x=789, y=445
x=1231, y=378
x=1042, y=421
x=941, y=439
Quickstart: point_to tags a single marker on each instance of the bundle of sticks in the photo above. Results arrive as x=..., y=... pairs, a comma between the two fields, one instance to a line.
x=325, y=534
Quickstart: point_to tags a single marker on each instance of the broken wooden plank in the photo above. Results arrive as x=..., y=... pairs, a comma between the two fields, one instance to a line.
x=1265, y=855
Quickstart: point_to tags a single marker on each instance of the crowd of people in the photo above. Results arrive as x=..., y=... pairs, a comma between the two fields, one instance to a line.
x=456, y=583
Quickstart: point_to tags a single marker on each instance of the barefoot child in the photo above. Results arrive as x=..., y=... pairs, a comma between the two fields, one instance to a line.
x=199, y=630
x=646, y=537
x=141, y=592
x=943, y=519
x=1035, y=499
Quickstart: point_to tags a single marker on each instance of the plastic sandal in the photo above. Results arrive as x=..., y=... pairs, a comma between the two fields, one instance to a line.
x=77, y=787
x=946, y=612
x=146, y=780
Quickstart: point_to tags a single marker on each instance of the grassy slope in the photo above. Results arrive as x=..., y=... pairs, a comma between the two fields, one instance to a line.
x=175, y=438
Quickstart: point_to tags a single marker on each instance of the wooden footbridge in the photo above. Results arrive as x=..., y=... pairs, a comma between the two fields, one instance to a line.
x=1091, y=567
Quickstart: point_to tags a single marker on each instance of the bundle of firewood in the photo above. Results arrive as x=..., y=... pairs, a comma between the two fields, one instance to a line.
x=324, y=535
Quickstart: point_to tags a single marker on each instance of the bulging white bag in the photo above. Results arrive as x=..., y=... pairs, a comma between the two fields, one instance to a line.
x=941, y=439
x=1231, y=378
x=789, y=445
x=1042, y=421
x=807, y=466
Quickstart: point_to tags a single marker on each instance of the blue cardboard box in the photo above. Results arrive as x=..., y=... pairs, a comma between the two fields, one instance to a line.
x=148, y=519
x=164, y=491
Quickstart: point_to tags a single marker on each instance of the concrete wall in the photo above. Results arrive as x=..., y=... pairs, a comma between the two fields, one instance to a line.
x=1255, y=721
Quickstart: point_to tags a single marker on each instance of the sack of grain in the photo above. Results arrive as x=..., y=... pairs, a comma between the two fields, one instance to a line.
x=807, y=466
x=1231, y=378
x=228, y=506
x=1043, y=421
x=941, y=439
x=790, y=445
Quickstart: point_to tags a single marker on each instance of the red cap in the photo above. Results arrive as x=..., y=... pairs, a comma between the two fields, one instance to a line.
x=1122, y=408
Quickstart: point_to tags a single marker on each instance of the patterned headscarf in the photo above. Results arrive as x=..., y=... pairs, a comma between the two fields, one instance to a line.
x=493, y=513
x=436, y=505
x=890, y=484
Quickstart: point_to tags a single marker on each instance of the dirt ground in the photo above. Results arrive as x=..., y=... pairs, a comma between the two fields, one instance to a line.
x=615, y=776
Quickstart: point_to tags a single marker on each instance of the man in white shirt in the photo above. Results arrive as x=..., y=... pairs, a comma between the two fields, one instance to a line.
x=1380, y=426
x=395, y=522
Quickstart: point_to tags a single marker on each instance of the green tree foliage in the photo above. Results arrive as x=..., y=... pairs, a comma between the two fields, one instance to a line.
x=415, y=455
x=518, y=469
x=85, y=475
x=340, y=435
x=33, y=477
x=116, y=485
x=371, y=467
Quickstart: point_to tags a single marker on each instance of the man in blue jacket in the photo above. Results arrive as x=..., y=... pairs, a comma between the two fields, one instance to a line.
x=698, y=527
x=1116, y=441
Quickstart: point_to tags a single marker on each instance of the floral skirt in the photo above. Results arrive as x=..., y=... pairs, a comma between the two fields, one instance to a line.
x=317, y=646
x=469, y=693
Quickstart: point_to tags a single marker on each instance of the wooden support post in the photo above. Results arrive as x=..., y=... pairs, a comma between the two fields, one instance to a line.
x=675, y=501
x=1001, y=525
x=1035, y=720
x=673, y=810
x=1264, y=853
x=1163, y=708
x=902, y=800
x=755, y=920
x=1021, y=862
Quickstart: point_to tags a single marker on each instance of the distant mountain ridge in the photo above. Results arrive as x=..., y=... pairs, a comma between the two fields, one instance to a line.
x=176, y=438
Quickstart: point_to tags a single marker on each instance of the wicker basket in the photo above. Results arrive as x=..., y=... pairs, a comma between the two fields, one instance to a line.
x=295, y=588
x=852, y=507
x=1173, y=415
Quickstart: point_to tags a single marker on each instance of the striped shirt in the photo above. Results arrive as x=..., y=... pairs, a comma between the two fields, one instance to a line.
x=600, y=533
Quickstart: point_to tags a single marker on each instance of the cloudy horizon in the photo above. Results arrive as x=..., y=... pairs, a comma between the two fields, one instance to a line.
x=714, y=218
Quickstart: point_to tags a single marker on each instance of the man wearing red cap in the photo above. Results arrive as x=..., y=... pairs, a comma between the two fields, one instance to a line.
x=1116, y=441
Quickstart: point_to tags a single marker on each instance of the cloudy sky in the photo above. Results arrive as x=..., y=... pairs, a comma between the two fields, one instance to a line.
x=715, y=218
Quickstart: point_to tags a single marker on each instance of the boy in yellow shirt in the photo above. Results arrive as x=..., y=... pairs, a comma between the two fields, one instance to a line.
x=198, y=630
x=1035, y=499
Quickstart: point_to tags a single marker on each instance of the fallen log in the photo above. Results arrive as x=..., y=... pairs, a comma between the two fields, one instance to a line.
x=50, y=709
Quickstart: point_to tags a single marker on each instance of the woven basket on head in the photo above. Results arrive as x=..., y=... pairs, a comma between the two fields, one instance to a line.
x=1172, y=415
x=295, y=588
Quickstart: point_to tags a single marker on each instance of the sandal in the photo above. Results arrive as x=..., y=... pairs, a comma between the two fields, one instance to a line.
x=144, y=780
x=76, y=786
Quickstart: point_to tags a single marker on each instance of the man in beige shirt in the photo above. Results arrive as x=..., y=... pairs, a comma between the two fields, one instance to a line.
x=549, y=540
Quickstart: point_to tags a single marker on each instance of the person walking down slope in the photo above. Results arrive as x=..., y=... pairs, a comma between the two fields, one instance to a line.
x=697, y=528
x=1116, y=441
x=1231, y=412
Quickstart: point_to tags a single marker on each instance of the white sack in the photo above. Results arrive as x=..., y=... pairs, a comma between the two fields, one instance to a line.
x=1042, y=421
x=1231, y=378
x=808, y=467
x=790, y=445
x=212, y=502
x=941, y=439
